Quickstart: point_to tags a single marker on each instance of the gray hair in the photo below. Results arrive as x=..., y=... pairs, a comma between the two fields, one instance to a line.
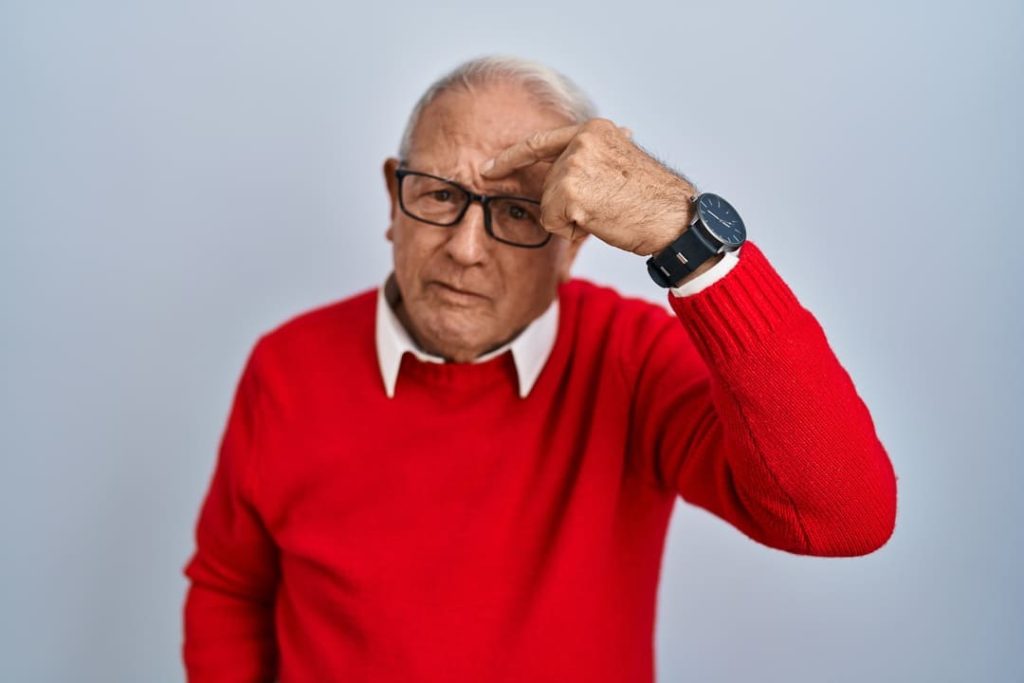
x=550, y=88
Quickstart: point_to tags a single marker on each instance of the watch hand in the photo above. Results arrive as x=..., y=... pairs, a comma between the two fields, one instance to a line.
x=727, y=223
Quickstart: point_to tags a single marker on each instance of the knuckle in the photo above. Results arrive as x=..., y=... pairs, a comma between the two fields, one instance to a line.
x=534, y=142
x=550, y=213
x=599, y=126
x=548, y=217
x=595, y=131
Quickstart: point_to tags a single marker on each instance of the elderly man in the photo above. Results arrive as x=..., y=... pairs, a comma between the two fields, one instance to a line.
x=467, y=473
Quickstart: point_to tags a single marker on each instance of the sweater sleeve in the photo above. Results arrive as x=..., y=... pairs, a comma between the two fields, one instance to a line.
x=228, y=615
x=744, y=410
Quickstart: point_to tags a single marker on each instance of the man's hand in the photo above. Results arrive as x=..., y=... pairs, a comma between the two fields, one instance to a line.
x=601, y=183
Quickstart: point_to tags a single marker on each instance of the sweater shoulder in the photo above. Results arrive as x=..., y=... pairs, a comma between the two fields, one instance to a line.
x=339, y=328
x=594, y=304
x=621, y=330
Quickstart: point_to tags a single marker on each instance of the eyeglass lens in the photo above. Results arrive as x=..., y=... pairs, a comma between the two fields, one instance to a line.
x=437, y=201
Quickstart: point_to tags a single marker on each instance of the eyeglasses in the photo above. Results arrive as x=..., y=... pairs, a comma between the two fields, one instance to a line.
x=510, y=220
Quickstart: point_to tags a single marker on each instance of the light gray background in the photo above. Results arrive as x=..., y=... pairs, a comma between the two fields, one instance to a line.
x=177, y=177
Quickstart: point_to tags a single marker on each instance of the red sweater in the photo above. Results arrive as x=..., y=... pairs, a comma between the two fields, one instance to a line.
x=459, y=533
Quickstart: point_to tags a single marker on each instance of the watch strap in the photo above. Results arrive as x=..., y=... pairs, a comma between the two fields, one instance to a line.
x=680, y=258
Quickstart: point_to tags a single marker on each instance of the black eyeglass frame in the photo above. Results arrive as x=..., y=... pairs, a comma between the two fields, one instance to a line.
x=485, y=200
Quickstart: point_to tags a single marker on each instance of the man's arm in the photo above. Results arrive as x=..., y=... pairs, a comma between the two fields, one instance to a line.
x=745, y=410
x=229, y=609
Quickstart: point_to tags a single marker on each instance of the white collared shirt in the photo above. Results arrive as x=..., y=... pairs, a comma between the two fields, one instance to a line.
x=530, y=349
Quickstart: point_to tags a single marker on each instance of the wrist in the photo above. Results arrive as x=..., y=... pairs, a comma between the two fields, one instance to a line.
x=701, y=269
x=677, y=214
x=700, y=246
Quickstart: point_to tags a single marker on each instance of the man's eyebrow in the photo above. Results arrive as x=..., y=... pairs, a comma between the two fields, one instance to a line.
x=504, y=188
x=501, y=187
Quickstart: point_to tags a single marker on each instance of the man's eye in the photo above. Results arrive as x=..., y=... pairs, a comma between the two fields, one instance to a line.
x=517, y=212
x=441, y=195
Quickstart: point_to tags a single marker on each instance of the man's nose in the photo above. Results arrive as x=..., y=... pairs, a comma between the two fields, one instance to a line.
x=468, y=242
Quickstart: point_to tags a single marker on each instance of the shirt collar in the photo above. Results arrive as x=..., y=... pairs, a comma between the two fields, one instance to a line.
x=530, y=350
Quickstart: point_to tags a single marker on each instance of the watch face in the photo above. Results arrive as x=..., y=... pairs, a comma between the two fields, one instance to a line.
x=721, y=219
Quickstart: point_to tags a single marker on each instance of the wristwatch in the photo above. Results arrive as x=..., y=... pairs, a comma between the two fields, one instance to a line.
x=716, y=228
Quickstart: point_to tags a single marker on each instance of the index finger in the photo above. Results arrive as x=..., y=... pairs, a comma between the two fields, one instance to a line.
x=545, y=145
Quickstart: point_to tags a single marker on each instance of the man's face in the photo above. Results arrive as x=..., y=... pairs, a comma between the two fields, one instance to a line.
x=464, y=293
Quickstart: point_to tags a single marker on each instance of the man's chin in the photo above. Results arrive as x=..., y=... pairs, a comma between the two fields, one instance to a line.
x=456, y=343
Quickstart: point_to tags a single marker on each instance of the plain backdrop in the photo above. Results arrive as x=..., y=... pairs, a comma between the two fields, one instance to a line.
x=178, y=177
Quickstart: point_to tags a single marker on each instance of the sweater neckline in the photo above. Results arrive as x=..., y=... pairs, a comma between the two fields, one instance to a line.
x=460, y=376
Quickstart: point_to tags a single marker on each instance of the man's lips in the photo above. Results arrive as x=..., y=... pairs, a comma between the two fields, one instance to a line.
x=445, y=287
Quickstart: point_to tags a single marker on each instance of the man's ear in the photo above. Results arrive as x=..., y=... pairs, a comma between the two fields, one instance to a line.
x=390, y=164
x=569, y=257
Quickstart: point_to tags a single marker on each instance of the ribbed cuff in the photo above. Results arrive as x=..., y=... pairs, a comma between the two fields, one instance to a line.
x=732, y=315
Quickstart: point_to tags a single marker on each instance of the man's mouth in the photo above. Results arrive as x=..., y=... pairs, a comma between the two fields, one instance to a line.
x=455, y=292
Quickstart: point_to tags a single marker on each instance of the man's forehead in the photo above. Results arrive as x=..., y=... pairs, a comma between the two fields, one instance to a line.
x=456, y=157
x=462, y=127
x=492, y=118
x=525, y=182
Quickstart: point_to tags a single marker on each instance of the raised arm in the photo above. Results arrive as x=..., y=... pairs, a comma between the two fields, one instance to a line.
x=744, y=409
x=740, y=405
